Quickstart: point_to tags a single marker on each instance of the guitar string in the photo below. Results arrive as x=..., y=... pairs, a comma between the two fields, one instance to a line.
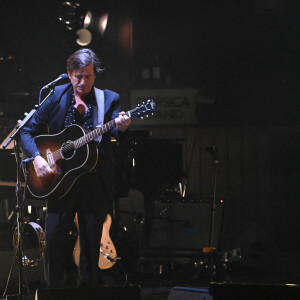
x=83, y=140
x=93, y=134
x=87, y=137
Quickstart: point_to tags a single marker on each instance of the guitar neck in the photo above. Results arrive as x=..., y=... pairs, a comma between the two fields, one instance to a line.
x=136, y=112
x=96, y=132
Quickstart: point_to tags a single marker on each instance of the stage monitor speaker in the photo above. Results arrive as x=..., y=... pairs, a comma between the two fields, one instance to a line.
x=181, y=225
x=187, y=293
x=114, y=293
x=248, y=291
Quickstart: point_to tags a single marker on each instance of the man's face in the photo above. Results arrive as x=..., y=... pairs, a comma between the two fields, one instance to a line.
x=82, y=80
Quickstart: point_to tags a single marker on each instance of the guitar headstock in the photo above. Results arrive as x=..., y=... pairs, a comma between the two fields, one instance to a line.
x=143, y=109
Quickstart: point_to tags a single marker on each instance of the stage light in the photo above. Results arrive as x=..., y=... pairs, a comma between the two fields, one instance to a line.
x=87, y=19
x=77, y=18
x=72, y=14
x=102, y=23
x=84, y=37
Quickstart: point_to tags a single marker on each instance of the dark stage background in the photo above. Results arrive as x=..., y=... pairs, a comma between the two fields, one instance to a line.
x=242, y=55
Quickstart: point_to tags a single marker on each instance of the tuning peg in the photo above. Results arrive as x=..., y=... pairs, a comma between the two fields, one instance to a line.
x=147, y=116
x=142, y=117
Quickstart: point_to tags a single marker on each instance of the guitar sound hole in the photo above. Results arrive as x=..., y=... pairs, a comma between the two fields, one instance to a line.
x=67, y=150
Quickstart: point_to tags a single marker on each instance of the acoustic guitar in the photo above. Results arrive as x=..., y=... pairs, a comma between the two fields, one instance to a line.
x=107, y=252
x=70, y=154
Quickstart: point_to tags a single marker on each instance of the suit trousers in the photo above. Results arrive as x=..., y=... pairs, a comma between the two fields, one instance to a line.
x=87, y=198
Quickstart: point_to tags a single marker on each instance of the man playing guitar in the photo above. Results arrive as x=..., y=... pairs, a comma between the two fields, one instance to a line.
x=74, y=178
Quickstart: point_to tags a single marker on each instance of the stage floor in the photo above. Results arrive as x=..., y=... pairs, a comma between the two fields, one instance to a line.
x=156, y=278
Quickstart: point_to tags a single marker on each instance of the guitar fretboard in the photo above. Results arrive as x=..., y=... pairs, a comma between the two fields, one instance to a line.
x=88, y=137
x=94, y=134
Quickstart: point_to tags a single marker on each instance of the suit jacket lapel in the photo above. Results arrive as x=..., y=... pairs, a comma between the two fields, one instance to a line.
x=58, y=116
x=98, y=111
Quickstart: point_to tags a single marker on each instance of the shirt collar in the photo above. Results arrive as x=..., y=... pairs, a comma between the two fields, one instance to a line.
x=90, y=99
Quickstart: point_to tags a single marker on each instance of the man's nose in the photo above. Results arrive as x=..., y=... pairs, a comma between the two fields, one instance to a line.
x=82, y=80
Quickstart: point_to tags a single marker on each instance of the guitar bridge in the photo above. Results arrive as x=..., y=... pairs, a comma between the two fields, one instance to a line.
x=50, y=159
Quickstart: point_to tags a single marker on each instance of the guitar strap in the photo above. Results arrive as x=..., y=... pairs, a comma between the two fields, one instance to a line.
x=98, y=111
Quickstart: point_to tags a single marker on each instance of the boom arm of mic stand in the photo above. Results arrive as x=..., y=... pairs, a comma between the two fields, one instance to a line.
x=26, y=119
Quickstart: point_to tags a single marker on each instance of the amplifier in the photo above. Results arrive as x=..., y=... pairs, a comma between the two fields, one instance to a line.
x=181, y=225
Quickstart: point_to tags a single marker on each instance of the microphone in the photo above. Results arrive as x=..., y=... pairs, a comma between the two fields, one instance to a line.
x=55, y=81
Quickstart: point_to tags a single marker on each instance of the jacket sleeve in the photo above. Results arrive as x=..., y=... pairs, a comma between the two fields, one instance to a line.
x=40, y=121
x=36, y=125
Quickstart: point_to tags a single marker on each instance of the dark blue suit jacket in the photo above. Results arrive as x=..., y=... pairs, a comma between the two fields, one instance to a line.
x=50, y=117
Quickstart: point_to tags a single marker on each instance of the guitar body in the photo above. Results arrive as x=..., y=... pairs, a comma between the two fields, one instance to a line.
x=70, y=154
x=67, y=162
x=106, y=246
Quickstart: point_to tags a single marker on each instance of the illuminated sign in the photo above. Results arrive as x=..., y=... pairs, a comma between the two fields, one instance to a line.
x=173, y=106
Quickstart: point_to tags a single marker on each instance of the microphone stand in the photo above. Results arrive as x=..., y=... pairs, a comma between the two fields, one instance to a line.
x=19, y=212
x=214, y=262
x=20, y=199
x=214, y=200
